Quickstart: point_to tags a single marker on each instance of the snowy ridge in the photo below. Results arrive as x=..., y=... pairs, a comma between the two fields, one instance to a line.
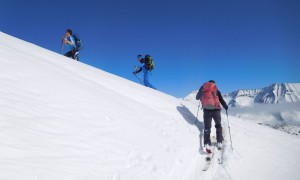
x=273, y=94
x=276, y=106
x=64, y=120
x=191, y=96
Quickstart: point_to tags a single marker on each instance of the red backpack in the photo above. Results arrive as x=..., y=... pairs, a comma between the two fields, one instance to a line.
x=209, y=98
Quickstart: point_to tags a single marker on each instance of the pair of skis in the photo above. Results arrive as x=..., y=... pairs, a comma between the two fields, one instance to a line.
x=211, y=155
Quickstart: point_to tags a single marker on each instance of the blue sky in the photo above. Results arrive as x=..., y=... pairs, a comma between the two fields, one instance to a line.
x=238, y=43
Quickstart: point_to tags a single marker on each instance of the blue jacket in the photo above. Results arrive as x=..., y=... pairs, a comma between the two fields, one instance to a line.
x=71, y=47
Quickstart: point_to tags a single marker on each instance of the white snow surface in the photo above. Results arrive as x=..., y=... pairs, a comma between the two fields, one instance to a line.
x=64, y=120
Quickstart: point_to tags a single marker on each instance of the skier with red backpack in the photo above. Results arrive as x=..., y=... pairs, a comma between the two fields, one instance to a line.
x=211, y=100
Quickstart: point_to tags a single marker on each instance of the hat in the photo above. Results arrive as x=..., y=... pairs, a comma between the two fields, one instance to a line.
x=69, y=31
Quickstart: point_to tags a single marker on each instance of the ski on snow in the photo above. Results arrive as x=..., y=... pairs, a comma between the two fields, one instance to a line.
x=220, y=155
x=211, y=154
x=208, y=159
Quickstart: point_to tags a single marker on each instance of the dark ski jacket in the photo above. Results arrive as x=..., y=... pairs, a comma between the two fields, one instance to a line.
x=143, y=61
x=199, y=94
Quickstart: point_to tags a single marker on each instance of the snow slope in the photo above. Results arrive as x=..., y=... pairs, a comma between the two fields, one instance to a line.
x=64, y=120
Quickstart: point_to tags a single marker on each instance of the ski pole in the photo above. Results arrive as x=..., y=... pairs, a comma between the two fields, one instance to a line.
x=198, y=111
x=62, y=45
x=138, y=77
x=229, y=130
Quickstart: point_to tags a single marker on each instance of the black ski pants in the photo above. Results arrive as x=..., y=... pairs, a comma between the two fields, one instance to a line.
x=71, y=54
x=208, y=115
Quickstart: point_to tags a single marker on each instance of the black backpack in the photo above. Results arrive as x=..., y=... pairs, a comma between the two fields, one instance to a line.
x=77, y=41
x=149, y=63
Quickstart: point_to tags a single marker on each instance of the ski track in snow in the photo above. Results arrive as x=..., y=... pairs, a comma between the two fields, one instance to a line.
x=64, y=120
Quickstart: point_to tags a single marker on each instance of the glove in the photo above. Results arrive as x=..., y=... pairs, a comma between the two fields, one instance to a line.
x=134, y=72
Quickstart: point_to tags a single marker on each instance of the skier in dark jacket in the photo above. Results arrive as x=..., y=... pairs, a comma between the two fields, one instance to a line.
x=211, y=99
x=145, y=70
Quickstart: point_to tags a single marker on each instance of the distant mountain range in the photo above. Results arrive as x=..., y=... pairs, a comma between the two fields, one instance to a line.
x=274, y=94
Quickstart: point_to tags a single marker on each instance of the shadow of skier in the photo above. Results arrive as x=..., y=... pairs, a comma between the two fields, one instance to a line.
x=192, y=120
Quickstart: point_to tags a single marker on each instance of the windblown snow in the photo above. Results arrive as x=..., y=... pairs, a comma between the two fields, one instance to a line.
x=64, y=120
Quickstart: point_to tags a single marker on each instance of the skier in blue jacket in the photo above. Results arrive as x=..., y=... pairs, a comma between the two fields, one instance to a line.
x=70, y=42
x=145, y=70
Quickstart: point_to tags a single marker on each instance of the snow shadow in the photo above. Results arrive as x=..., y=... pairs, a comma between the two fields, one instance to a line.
x=192, y=120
